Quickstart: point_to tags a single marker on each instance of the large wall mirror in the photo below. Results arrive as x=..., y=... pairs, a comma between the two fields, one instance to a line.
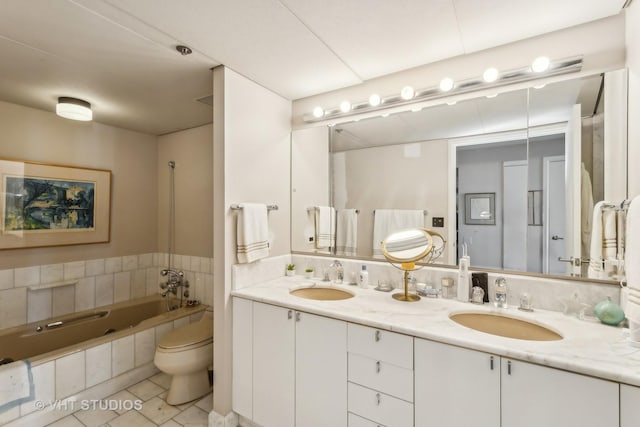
x=513, y=178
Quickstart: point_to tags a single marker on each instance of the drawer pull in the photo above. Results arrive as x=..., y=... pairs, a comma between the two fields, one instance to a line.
x=509, y=367
x=289, y=314
x=297, y=316
x=491, y=363
x=377, y=367
x=378, y=399
x=377, y=336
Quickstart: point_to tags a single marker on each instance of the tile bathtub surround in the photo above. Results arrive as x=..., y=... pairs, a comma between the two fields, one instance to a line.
x=94, y=283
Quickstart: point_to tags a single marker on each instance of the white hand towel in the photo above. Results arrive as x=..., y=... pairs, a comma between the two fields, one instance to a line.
x=325, y=227
x=252, y=233
x=609, y=233
x=633, y=256
x=586, y=209
x=16, y=384
x=595, y=252
x=347, y=232
x=386, y=221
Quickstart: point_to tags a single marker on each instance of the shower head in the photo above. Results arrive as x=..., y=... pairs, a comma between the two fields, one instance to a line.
x=172, y=164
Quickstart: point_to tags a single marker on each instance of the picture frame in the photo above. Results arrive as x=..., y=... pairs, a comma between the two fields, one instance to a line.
x=44, y=204
x=480, y=208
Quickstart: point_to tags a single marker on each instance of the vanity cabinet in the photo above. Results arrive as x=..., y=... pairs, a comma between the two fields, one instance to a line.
x=456, y=386
x=629, y=406
x=294, y=369
x=380, y=377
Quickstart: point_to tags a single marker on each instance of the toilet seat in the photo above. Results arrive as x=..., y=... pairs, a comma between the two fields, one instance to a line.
x=188, y=337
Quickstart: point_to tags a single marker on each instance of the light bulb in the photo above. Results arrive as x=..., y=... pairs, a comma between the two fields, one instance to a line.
x=345, y=106
x=490, y=75
x=539, y=86
x=318, y=112
x=446, y=84
x=540, y=64
x=375, y=100
x=407, y=93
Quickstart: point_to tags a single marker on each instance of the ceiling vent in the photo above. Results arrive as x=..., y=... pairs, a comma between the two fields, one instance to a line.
x=206, y=100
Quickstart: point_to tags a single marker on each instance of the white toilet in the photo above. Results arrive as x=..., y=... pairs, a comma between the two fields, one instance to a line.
x=186, y=353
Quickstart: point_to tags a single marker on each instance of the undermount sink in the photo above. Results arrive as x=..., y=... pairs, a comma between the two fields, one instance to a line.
x=321, y=293
x=496, y=324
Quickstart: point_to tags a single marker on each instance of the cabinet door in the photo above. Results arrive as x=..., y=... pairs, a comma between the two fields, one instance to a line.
x=273, y=366
x=534, y=396
x=321, y=371
x=629, y=406
x=242, y=375
x=455, y=386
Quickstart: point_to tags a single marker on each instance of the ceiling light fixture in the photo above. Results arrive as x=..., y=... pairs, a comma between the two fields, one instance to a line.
x=446, y=84
x=490, y=75
x=408, y=95
x=318, y=112
x=540, y=64
x=74, y=109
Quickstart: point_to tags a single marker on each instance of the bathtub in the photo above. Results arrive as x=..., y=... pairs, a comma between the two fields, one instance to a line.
x=64, y=334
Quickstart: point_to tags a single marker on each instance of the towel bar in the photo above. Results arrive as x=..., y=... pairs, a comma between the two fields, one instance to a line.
x=426, y=212
x=313, y=208
x=269, y=207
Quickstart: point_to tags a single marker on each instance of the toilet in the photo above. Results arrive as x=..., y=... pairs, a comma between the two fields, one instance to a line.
x=186, y=353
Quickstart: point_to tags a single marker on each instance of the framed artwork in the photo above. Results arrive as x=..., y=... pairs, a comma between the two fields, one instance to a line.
x=480, y=208
x=53, y=205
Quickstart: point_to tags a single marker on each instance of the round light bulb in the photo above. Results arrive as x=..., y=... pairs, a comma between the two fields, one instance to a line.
x=540, y=64
x=407, y=93
x=375, y=100
x=452, y=102
x=345, y=106
x=318, y=112
x=539, y=86
x=490, y=75
x=446, y=84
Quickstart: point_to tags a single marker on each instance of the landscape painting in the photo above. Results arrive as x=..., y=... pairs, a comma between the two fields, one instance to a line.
x=50, y=205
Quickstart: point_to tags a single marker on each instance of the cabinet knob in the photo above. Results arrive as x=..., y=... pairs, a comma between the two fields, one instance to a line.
x=378, y=397
x=377, y=336
x=289, y=314
x=297, y=316
x=491, y=363
x=509, y=367
x=377, y=367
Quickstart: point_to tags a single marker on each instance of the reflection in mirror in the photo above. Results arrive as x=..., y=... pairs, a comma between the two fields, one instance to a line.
x=518, y=147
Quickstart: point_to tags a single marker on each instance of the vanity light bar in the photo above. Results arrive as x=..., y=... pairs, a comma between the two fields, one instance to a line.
x=523, y=74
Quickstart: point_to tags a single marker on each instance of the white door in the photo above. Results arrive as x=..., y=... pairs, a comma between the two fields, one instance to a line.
x=514, y=216
x=455, y=387
x=535, y=396
x=321, y=371
x=273, y=365
x=554, y=230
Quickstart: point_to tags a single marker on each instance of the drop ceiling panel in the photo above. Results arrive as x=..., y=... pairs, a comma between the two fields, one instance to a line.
x=260, y=39
x=377, y=37
x=488, y=23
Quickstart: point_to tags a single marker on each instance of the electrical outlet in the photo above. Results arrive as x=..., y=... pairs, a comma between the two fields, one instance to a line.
x=438, y=221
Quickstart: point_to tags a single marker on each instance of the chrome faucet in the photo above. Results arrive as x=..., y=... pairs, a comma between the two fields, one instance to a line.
x=175, y=280
x=336, y=271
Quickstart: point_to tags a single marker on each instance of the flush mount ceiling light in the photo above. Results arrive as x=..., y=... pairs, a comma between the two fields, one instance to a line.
x=541, y=68
x=74, y=109
x=318, y=112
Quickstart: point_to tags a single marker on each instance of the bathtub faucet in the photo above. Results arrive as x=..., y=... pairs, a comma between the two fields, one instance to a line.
x=175, y=280
x=174, y=276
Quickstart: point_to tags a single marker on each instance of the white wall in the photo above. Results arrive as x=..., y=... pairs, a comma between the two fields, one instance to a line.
x=632, y=16
x=251, y=164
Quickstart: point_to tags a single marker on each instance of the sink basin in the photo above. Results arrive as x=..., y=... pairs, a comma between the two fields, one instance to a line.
x=321, y=293
x=496, y=324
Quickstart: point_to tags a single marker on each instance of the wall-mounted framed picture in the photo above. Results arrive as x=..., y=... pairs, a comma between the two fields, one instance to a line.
x=480, y=208
x=53, y=205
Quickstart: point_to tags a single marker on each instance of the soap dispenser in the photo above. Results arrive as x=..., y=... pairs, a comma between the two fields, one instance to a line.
x=464, y=285
x=501, y=293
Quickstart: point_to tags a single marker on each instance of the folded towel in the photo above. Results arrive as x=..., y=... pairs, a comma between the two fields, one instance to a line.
x=387, y=221
x=347, y=232
x=609, y=233
x=596, y=268
x=16, y=384
x=325, y=227
x=621, y=221
x=252, y=237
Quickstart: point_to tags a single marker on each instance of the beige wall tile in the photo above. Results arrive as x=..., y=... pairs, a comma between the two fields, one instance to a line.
x=13, y=307
x=70, y=374
x=94, y=267
x=39, y=305
x=145, y=346
x=104, y=290
x=121, y=286
x=63, y=300
x=113, y=265
x=6, y=279
x=86, y=294
x=26, y=276
x=74, y=270
x=122, y=355
x=45, y=386
x=98, y=364
x=52, y=273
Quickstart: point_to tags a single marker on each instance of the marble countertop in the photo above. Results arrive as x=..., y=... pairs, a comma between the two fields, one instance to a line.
x=588, y=347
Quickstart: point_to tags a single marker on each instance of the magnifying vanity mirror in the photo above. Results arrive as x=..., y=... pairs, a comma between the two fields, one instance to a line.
x=521, y=161
x=403, y=248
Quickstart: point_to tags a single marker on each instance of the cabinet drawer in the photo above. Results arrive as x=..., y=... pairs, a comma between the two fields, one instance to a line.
x=382, y=376
x=358, y=421
x=382, y=345
x=379, y=407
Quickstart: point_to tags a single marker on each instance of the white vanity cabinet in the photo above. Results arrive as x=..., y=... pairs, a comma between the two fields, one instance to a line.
x=296, y=371
x=380, y=377
x=629, y=406
x=456, y=386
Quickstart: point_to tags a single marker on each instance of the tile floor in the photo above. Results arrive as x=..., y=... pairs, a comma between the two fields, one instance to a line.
x=154, y=412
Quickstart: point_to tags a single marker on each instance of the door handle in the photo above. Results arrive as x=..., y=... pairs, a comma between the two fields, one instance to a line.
x=556, y=237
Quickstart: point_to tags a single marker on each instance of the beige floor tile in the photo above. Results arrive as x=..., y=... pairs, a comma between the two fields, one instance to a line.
x=158, y=411
x=145, y=390
x=122, y=396
x=170, y=423
x=162, y=379
x=192, y=417
x=206, y=403
x=130, y=419
x=95, y=417
x=68, y=421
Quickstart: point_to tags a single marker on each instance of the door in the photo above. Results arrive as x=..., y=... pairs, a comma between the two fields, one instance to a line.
x=535, y=396
x=514, y=216
x=273, y=365
x=553, y=240
x=455, y=387
x=321, y=371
